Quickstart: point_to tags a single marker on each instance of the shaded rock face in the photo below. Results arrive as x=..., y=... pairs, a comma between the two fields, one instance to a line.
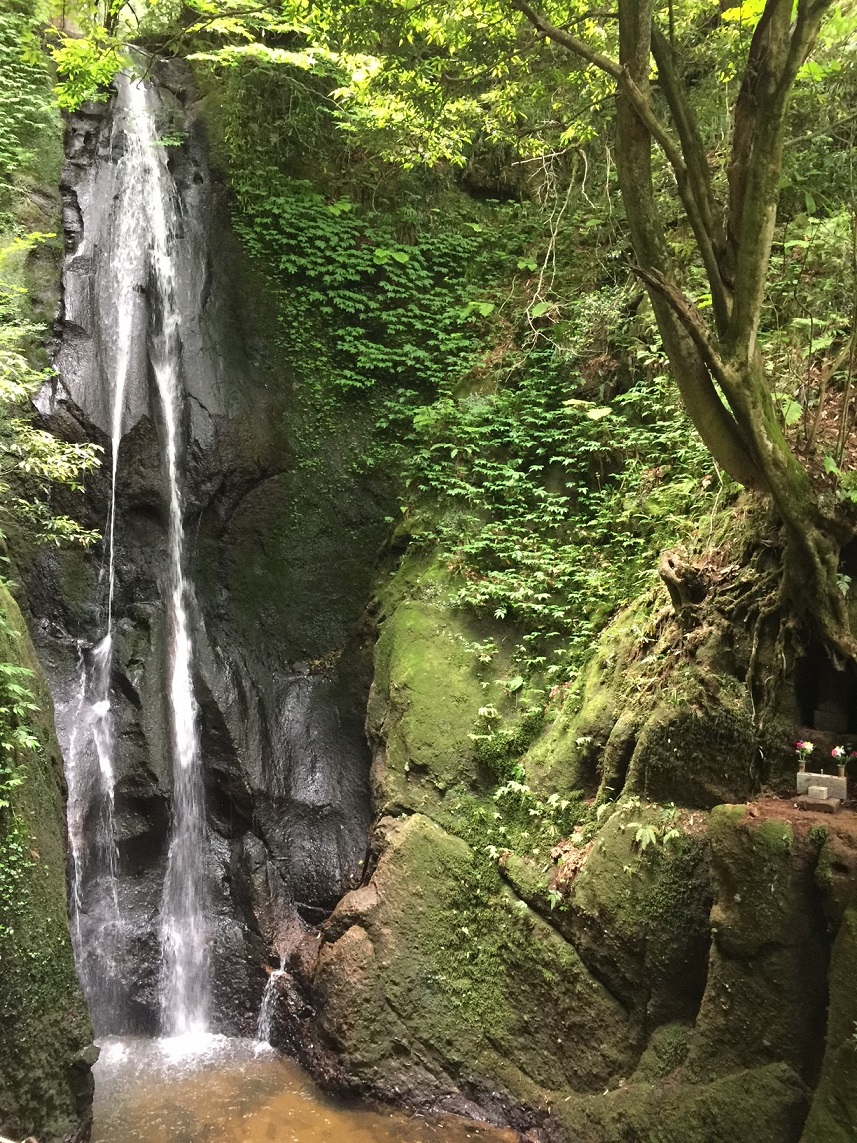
x=280, y=686
x=45, y=1035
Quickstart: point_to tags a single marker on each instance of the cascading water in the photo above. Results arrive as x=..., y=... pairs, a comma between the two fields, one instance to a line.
x=184, y=928
x=159, y=357
x=90, y=766
x=142, y=304
x=268, y=1010
x=184, y=922
x=92, y=841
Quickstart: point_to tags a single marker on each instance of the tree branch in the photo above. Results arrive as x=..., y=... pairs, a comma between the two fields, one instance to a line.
x=686, y=348
x=637, y=128
x=696, y=194
x=689, y=317
x=573, y=43
x=777, y=51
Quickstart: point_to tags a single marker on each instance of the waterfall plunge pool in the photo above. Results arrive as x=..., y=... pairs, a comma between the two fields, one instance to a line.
x=213, y=1089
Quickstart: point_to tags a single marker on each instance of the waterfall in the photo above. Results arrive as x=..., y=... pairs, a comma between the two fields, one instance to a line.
x=268, y=1010
x=92, y=841
x=90, y=765
x=184, y=925
x=140, y=308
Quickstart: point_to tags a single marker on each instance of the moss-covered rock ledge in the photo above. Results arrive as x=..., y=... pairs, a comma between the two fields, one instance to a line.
x=45, y=1034
x=684, y=978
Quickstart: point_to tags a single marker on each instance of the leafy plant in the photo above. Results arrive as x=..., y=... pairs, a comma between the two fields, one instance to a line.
x=32, y=460
x=25, y=93
x=658, y=832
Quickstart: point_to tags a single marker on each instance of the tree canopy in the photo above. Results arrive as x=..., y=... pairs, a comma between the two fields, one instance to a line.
x=709, y=114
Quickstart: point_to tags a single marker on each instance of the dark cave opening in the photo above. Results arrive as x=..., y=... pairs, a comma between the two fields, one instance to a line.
x=826, y=697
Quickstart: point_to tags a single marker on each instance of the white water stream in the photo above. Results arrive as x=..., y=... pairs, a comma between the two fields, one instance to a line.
x=184, y=925
x=90, y=765
x=268, y=1010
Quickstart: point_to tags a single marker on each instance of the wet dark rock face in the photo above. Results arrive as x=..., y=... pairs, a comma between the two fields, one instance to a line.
x=281, y=571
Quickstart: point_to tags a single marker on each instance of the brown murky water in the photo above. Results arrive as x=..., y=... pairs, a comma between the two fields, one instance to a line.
x=237, y=1091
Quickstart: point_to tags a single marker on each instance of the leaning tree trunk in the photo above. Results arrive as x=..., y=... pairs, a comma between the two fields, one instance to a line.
x=745, y=437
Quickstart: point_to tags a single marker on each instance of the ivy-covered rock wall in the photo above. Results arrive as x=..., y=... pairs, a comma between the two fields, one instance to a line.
x=593, y=971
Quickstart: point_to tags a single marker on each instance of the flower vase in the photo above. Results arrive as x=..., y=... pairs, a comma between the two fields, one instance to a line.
x=801, y=766
x=841, y=769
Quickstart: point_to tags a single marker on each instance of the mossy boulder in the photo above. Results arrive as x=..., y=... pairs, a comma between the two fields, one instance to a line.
x=663, y=712
x=833, y=1115
x=457, y=974
x=640, y=916
x=423, y=706
x=45, y=1034
x=764, y=1104
x=427, y=693
x=567, y=756
x=438, y=985
x=765, y=995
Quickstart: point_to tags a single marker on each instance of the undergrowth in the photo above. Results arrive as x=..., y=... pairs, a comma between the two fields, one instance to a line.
x=537, y=444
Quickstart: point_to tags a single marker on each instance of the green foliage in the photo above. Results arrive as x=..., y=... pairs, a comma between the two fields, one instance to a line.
x=86, y=66
x=364, y=305
x=547, y=481
x=648, y=834
x=550, y=517
x=518, y=820
x=25, y=99
x=32, y=461
x=19, y=748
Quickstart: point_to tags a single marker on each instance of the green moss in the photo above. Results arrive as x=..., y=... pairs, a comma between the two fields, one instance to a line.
x=765, y=992
x=778, y=836
x=833, y=1115
x=428, y=692
x=665, y=1051
x=462, y=969
x=530, y=880
x=641, y=917
x=432, y=698
x=44, y=1025
x=695, y=752
x=755, y=873
x=565, y=756
x=765, y=1104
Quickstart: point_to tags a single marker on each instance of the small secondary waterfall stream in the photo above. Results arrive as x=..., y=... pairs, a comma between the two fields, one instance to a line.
x=267, y=1011
x=142, y=296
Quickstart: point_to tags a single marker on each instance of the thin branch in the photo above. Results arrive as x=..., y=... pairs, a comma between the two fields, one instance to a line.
x=691, y=319
x=817, y=133
x=775, y=58
x=846, y=353
x=560, y=36
x=695, y=191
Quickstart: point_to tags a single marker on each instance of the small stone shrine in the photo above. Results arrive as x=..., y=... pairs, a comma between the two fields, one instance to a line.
x=823, y=793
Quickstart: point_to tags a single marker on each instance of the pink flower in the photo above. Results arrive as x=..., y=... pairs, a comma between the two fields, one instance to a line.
x=837, y=752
